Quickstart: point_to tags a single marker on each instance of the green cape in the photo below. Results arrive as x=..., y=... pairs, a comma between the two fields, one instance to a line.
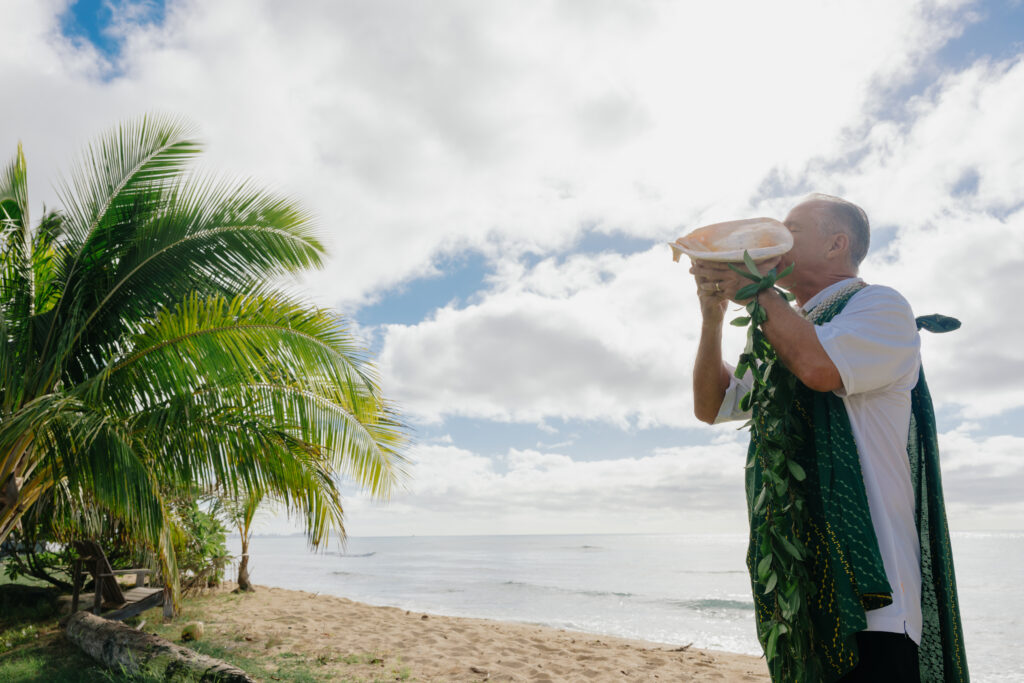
x=843, y=559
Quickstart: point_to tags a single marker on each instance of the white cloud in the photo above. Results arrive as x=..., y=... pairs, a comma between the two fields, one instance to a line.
x=982, y=477
x=962, y=131
x=982, y=471
x=603, y=336
x=667, y=490
x=456, y=491
x=414, y=128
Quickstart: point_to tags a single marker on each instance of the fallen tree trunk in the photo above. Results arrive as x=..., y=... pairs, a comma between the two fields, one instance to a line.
x=121, y=648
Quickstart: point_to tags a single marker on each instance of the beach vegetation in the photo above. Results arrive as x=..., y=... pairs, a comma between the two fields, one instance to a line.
x=151, y=344
x=200, y=543
x=372, y=658
x=18, y=635
x=34, y=650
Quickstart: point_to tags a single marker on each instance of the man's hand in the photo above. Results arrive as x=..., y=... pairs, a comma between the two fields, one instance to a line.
x=712, y=300
x=719, y=282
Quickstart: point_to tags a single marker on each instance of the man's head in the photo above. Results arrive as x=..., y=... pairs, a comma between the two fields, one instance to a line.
x=836, y=216
x=839, y=215
x=830, y=239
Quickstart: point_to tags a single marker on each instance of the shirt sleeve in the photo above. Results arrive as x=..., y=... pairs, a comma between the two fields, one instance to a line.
x=738, y=388
x=873, y=342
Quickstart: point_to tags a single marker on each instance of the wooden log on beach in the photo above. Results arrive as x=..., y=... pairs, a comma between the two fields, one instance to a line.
x=120, y=647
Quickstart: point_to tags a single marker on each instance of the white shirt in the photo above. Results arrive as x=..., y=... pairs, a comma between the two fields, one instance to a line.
x=874, y=344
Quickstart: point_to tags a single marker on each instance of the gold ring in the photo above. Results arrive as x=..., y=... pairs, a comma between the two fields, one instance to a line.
x=718, y=287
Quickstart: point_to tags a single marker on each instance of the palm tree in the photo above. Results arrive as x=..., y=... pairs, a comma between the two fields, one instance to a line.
x=242, y=513
x=147, y=341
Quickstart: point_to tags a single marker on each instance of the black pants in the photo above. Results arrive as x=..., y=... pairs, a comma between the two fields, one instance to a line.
x=885, y=658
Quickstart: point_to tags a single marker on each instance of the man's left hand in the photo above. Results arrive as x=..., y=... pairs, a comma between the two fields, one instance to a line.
x=713, y=276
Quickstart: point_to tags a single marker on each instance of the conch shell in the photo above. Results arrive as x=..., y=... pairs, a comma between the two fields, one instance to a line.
x=763, y=238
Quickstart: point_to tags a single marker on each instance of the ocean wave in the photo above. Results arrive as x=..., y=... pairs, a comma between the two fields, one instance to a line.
x=704, y=604
x=338, y=553
x=987, y=534
x=569, y=591
x=699, y=605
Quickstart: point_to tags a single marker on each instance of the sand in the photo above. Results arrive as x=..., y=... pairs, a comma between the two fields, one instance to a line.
x=365, y=642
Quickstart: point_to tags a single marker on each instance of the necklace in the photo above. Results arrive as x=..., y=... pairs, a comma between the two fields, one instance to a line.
x=819, y=308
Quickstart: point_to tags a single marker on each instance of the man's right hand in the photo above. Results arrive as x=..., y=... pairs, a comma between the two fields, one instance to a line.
x=713, y=302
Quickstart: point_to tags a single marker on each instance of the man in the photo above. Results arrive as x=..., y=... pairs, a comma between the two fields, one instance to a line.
x=855, y=347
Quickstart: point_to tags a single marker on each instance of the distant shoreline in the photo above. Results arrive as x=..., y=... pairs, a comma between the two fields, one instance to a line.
x=299, y=534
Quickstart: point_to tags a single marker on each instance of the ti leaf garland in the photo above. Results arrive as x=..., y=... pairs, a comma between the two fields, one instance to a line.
x=782, y=577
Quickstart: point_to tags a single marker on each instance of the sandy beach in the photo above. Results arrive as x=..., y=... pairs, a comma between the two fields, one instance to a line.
x=365, y=642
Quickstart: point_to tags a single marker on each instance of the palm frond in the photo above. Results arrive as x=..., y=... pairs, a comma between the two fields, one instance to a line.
x=14, y=191
x=207, y=238
x=244, y=451
x=271, y=357
x=119, y=182
x=16, y=275
x=133, y=158
x=47, y=256
x=217, y=342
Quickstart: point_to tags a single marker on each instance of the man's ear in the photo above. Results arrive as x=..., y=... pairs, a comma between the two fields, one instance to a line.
x=839, y=245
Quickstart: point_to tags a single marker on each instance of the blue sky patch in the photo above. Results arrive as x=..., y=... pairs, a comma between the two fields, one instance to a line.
x=90, y=20
x=591, y=241
x=992, y=30
x=1010, y=423
x=461, y=276
x=997, y=35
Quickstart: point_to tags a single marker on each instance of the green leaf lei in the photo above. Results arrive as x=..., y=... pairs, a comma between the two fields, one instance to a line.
x=781, y=574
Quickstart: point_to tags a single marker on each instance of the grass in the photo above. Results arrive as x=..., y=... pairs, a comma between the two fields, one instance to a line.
x=33, y=648
x=37, y=653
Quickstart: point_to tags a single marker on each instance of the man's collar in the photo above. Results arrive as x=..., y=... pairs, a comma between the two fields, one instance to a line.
x=831, y=289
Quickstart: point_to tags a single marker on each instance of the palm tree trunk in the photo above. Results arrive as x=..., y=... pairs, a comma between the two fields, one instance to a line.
x=18, y=496
x=243, y=564
x=17, y=491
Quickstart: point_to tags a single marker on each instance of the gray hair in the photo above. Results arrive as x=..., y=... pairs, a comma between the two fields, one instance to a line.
x=846, y=217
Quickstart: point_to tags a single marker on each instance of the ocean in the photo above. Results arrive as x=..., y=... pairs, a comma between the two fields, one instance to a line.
x=675, y=589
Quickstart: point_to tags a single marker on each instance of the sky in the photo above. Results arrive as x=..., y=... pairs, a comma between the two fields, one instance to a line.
x=496, y=182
